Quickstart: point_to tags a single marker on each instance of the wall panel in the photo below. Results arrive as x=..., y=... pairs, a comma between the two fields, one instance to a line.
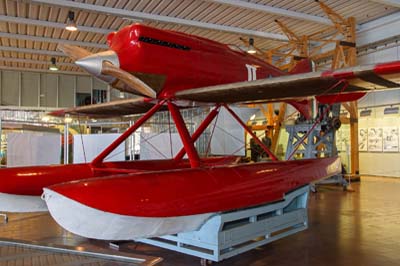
x=372, y=162
x=379, y=162
x=99, y=85
x=48, y=90
x=83, y=84
x=10, y=88
x=66, y=90
x=30, y=83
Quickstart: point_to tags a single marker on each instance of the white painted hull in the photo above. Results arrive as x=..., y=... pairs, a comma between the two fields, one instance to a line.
x=20, y=203
x=93, y=223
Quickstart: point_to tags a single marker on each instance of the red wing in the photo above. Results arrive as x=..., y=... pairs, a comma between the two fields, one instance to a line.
x=110, y=109
x=360, y=78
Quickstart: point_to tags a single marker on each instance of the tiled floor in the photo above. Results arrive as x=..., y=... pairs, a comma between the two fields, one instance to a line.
x=359, y=228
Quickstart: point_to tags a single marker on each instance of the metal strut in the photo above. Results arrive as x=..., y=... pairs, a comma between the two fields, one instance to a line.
x=187, y=141
x=206, y=122
x=99, y=159
x=259, y=142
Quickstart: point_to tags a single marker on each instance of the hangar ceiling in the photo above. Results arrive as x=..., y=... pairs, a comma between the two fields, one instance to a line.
x=31, y=29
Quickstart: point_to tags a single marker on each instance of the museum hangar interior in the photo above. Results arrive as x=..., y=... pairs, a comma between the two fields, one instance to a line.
x=183, y=132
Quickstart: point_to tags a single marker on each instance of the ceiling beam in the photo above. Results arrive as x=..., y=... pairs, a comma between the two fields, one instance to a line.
x=378, y=30
x=147, y=16
x=50, y=40
x=275, y=11
x=30, y=61
x=30, y=51
x=395, y=3
x=49, y=24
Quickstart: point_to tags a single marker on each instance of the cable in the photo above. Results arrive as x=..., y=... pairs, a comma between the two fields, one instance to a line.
x=80, y=132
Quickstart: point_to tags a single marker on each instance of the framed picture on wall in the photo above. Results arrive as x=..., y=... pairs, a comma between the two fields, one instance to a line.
x=375, y=139
x=363, y=139
x=390, y=139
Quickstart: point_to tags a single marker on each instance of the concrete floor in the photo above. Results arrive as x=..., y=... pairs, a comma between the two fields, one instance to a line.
x=359, y=228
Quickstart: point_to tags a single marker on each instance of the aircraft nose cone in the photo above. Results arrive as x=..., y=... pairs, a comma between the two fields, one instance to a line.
x=93, y=64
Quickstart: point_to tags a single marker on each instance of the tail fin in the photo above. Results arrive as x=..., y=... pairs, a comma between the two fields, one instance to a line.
x=304, y=66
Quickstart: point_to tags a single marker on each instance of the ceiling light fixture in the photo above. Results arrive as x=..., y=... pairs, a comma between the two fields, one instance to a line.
x=71, y=25
x=366, y=112
x=391, y=110
x=53, y=66
x=251, y=49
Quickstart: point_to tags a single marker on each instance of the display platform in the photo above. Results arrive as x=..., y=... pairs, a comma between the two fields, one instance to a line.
x=228, y=234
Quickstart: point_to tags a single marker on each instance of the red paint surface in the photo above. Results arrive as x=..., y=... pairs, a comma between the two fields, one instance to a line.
x=206, y=63
x=387, y=68
x=303, y=106
x=344, y=97
x=302, y=66
x=31, y=180
x=339, y=74
x=194, y=191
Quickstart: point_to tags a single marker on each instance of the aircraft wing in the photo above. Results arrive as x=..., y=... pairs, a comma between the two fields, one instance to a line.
x=110, y=109
x=360, y=79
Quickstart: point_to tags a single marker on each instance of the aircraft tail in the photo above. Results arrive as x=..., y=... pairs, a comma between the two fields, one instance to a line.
x=304, y=66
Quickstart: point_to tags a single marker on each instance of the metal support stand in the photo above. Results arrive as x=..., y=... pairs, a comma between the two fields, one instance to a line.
x=308, y=147
x=228, y=234
x=309, y=141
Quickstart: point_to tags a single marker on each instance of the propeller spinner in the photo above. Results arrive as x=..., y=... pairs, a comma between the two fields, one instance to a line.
x=105, y=66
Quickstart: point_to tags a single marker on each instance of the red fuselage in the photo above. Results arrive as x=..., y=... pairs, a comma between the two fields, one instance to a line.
x=171, y=61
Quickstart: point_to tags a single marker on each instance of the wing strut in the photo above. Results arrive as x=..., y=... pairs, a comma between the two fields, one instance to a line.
x=259, y=142
x=206, y=122
x=99, y=159
x=187, y=141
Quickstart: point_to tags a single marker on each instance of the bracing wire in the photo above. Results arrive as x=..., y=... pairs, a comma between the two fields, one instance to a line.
x=81, y=137
x=211, y=135
x=147, y=140
x=170, y=136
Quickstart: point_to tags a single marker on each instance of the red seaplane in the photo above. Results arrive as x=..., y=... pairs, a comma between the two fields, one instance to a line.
x=169, y=71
